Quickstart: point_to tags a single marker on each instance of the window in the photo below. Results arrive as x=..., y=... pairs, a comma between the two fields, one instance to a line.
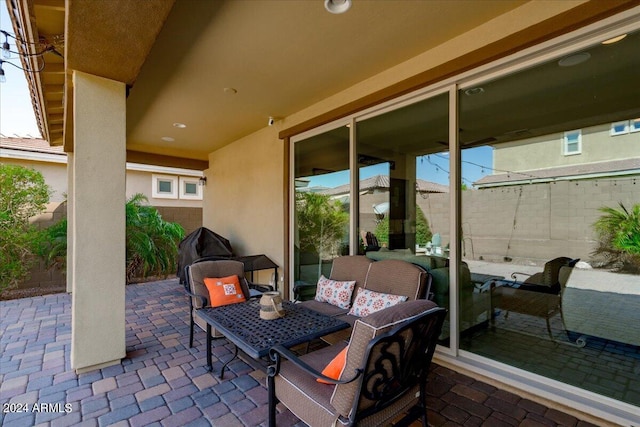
x=634, y=125
x=190, y=188
x=164, y=187
x=572, y=142
x=620, y=128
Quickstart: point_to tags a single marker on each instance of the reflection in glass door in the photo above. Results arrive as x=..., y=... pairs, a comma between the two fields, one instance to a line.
x=321, y=211
x=403, y=166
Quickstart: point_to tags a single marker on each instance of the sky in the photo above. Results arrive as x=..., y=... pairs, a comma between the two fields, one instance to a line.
x=16, y=111
x=476, y=163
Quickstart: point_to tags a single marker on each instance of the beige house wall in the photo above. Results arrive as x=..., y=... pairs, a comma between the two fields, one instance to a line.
x=548, y=151
x=244, y=199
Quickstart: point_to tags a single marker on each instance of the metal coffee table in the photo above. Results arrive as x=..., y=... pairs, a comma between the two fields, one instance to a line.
x=241, y=324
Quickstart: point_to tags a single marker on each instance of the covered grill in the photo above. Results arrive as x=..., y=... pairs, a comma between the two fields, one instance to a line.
x=202, y=243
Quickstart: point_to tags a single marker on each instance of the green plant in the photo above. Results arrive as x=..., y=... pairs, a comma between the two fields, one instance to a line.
x=151, y=242
x=423, y=231
x=618, y=233
x=53, y=247
x=322, y=224
x=23, y=195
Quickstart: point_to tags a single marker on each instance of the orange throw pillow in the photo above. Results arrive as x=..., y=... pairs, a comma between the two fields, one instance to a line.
x=224, y=290
x=335, y=367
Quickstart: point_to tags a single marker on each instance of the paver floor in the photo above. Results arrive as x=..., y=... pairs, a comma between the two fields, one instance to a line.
x=163, y=382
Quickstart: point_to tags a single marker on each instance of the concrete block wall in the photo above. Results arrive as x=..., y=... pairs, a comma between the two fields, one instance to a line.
x=189, y=218
x=538, y=222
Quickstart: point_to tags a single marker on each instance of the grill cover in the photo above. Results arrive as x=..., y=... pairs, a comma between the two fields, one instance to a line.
x=201, y=243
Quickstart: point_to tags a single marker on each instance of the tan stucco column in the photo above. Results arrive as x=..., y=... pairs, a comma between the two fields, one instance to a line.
x=98, y=224
x=70, y=158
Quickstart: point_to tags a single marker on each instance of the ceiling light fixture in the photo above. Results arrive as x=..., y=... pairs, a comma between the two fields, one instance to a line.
x=167, y=139
x=614, y=39
x=179, y=125
x=337, y=6
x=578, y=58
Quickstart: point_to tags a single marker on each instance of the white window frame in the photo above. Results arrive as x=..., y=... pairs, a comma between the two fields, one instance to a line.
x=632, y=125
x=155, y=181
x=183, y=187
x=625, y=131
x=565, y=142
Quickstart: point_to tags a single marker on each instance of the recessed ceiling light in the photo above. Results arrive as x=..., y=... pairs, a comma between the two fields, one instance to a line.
x=230, y=90
x=167, y=139
x=474, y=91
x=337, y=6
x=614, y=39
x=179, y=125
x=578, y=58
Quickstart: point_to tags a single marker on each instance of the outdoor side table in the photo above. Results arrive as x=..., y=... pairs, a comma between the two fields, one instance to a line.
x=241, y=325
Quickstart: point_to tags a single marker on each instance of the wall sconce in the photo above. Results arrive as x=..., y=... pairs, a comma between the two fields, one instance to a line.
x=203, y=180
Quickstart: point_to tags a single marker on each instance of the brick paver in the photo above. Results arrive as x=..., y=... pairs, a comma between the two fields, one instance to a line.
x=163, y=382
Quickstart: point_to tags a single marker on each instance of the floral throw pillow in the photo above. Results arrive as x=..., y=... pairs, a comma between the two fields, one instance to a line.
x=335, y=292
x=367, y=302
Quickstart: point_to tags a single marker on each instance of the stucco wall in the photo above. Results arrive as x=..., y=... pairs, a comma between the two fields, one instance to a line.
x=547, y=151
x=244, y=195
x=141, y=182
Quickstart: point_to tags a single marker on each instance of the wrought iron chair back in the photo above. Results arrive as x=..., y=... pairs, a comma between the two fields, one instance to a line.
x=396, y=363
x=387, y=380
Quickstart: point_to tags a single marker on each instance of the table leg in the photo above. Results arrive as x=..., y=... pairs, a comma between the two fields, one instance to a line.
x=235, y=354
x=209, y=364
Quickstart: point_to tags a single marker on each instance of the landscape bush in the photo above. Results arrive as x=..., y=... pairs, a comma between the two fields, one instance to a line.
x=23, y=195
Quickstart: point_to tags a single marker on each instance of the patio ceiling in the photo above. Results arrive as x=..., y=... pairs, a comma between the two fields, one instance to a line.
x=178, y=57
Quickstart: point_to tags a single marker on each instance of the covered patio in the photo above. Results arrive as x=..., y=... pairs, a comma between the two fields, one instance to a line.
x=253, y=94
x=162, y=381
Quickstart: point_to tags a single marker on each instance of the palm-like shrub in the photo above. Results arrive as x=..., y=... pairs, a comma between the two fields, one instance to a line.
x=152, y=243
x=618, y=233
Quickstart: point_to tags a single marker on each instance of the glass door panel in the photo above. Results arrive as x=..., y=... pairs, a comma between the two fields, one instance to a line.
x=321, y=212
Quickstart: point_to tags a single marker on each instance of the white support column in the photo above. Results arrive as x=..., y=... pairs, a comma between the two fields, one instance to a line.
x=70, y=159
x=98, y=249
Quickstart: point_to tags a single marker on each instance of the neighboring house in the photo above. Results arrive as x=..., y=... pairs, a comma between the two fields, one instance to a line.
x=176, y=193
x=607, y=150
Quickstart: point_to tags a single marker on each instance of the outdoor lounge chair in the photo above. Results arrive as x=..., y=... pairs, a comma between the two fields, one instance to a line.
x=548, y=280
x=198, y=293
x=384, y=376
x=539, y=295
